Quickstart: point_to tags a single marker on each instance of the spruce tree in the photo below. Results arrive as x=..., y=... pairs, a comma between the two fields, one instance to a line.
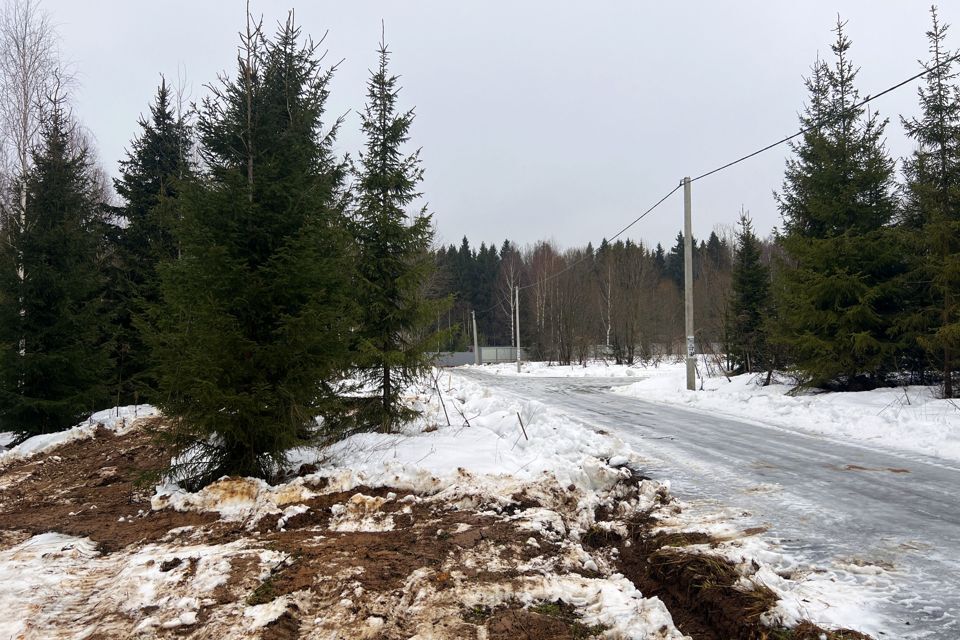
x=54, y=358
x=749, y=303
x=932, y=211
x=253, y=327
x=842, y=293
x=395, y=260
x=149, y=177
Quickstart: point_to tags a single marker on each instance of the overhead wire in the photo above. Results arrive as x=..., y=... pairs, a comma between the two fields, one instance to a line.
x=585, y=255
x=815, y=125
x=611, y=239
x=823, y=121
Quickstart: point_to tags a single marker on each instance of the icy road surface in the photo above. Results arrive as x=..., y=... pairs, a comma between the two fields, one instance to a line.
x=887, y=522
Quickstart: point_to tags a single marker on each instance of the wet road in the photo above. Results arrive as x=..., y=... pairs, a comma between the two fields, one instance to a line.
x=888, y=522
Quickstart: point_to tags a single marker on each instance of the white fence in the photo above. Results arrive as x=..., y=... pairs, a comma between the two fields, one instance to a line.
x=488, y=355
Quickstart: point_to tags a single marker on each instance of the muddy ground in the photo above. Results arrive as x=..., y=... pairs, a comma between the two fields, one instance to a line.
x=322, y=579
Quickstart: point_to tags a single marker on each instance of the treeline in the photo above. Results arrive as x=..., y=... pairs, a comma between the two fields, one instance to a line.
x=622, y=299
x=259, y=289
x=859, y=288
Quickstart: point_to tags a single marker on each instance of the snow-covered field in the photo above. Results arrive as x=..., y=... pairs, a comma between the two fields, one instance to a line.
x=472, y=450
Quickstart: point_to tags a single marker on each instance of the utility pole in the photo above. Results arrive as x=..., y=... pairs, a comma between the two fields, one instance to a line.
x=688, y=287
x=476, y=349
x=517, y=305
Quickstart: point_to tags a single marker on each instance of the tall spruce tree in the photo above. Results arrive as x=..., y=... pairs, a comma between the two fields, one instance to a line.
x=156, y=164
x=253, y=328
x=749, y=303
x=395, y=260
x=932, y=211
x=837, y=202
x=54, y=359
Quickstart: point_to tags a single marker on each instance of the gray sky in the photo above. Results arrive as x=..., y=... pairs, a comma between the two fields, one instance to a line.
x=538, y=119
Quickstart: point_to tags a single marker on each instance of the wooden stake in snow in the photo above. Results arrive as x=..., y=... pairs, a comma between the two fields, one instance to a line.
x=522, y=428
x=442, y=404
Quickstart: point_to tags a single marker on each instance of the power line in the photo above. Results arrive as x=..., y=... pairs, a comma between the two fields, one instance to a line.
x=757, y=152
x=584, y=256
x=820, y=123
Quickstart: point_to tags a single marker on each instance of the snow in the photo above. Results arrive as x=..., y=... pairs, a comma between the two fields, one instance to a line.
x=493, y=445
x=119, y=420
x=907, y=419
x=263, y=614
x=614, y=602
x=361, y=513
x=68, y=571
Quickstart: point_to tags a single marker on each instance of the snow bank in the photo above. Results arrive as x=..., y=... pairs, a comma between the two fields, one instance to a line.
x=485, y=439
x=484, y=457
x=119, y=420
x=905, y=419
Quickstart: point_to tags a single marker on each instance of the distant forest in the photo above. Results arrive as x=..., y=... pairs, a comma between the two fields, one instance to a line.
x=622, y=299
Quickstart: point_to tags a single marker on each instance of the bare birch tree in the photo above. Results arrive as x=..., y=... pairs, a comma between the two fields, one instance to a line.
x=30, y=75
x=29, y=67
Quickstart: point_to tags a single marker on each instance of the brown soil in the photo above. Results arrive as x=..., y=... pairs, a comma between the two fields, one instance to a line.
x=556, y=620
x=84, y=488
x=286, y=627
x=700, y=592
x=523, y=624
x=388, y=558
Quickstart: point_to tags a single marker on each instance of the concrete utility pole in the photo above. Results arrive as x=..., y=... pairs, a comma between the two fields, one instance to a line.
x=517, y=305
x=476, y=349
x=688, y=287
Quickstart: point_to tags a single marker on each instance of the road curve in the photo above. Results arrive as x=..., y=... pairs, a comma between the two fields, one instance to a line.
x=827, y=503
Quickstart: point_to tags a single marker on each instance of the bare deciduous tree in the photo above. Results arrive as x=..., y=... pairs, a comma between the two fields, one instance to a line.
x=29, y=67
x=30, y=77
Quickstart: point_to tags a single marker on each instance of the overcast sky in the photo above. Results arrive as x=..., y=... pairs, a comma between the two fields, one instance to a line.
x=537, y=119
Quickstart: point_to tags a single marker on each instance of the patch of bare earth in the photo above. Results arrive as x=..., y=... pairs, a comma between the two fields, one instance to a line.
x=403, y=564
x=705, y=593
x=91, y=488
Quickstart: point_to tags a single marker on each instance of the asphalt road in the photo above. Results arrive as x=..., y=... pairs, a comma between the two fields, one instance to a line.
x=888, y=523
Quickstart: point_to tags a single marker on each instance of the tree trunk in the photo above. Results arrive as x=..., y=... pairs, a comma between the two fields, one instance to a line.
x=387, y=400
